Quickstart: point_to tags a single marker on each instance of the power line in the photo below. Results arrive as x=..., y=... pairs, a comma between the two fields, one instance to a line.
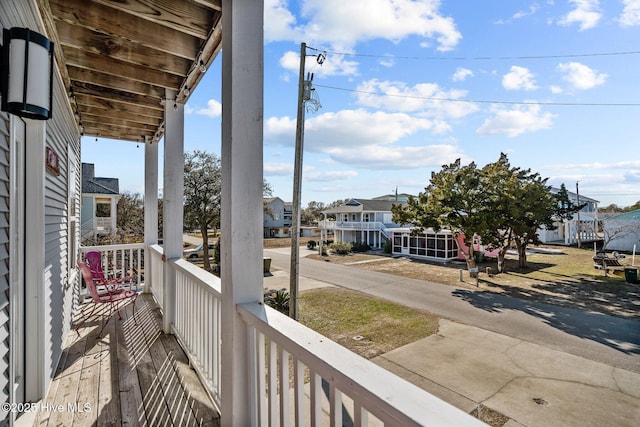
x=484, y=101
x=479, y=58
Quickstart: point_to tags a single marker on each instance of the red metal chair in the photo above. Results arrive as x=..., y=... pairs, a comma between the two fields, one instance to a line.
x=94, y=261
x=112, y=295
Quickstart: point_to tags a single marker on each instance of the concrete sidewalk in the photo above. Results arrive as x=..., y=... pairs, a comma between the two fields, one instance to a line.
x=531, y=384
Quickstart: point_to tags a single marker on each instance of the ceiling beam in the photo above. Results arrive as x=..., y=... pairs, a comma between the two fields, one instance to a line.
x=120, y=24
x=119, y=48
x=92, y=61
x=111, y=81
x=113, y=104
x=179, y=15
x=210, y=4
x=92, y=111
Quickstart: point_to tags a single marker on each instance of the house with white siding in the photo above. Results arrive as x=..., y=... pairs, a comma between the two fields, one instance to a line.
x=125, y=70
x=98, y=211
x=583, y=226
x=360, y=220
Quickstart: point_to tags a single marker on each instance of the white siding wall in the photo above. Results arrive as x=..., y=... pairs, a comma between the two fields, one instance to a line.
x=61, y=135
x=4, y=261
x=59, y=288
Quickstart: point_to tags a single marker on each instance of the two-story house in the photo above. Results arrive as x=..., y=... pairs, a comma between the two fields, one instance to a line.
x=360, y=220
x=98, y=213
x=277, y=217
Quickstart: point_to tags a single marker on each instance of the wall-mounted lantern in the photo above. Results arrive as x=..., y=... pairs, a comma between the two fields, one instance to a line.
x=26, y=74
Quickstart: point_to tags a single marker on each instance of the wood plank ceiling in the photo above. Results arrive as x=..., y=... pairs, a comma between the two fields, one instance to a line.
x=117, y=57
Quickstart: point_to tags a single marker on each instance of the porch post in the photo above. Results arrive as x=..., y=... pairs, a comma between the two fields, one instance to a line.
x=35, y=310
x=173, y=193
x=241, y=217
x=150, y=207
x=114, y=216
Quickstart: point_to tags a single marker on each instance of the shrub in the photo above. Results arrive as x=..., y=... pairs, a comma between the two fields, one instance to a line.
x=341, y=248
x=322, y=250
x=311, y=244
x=278, y=300
x=387, y=246
x=360, y=247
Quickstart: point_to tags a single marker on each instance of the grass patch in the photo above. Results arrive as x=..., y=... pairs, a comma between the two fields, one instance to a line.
x=567, y=278
x=365, y=325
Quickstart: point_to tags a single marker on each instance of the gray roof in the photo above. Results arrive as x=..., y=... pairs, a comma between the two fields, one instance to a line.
x=93, y=185
x=574, y=196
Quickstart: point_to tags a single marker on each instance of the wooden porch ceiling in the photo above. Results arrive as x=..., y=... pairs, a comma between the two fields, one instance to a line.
x=117, y=57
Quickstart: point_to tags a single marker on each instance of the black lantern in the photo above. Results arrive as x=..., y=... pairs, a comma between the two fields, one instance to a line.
x=27, y=74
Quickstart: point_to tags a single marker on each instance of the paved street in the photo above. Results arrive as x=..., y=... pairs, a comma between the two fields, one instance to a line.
x=607, y=339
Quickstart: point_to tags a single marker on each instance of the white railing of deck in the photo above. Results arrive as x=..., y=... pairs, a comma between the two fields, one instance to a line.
x=338, y=378
x=157, y=274
x=121, y=261
x=197, y=324
x=348, y=225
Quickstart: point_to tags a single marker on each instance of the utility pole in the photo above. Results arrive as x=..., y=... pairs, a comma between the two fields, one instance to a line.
x=578, y=203
x=297, y=190
x=304, y=95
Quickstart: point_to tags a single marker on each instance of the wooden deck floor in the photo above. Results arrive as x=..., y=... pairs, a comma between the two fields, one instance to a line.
x=134, y=375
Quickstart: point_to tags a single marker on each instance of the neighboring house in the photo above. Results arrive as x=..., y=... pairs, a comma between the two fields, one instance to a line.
x=584, y=224
x=360, y=220
x=440, y=246
x=98, y=214
x=277, y=217
x=623, y=231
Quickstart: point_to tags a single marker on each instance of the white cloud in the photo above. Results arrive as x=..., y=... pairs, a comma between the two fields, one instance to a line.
x=338, y=65
x=343, y=24
x=389, y=157
x=213, y=110
x=363, y=139
x=626, y=164
x=524, y=118
x=519, y=78
x=278, y=169
x=581, y=76
x=630, y=14
x=427, y=98
x=555, y=89
x=279, y=22
x=461, y=74
x=522, y=13
x=586, y=13
x=329, y=176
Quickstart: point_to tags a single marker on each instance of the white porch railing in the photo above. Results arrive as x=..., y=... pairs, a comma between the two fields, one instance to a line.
x=197, y=326
x=121, y=260
x=156, y=268
x=348, y=225
x=298, y=377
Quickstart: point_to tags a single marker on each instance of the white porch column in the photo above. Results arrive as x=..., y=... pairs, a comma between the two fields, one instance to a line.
x=150, y=206
x=241, y=217
x=114, y=216
x=173, y=207
x=35, y=309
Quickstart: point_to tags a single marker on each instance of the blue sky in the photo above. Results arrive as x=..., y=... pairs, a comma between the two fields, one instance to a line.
x=408, y=86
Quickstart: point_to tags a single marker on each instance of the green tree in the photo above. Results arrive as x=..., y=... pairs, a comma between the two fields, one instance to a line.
x=202, y=190
x=130, y=216
x=455, y=200
x=312, y=213
x=500, y=182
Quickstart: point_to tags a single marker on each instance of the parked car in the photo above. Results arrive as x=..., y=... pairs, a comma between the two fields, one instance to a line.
x=198, y=251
